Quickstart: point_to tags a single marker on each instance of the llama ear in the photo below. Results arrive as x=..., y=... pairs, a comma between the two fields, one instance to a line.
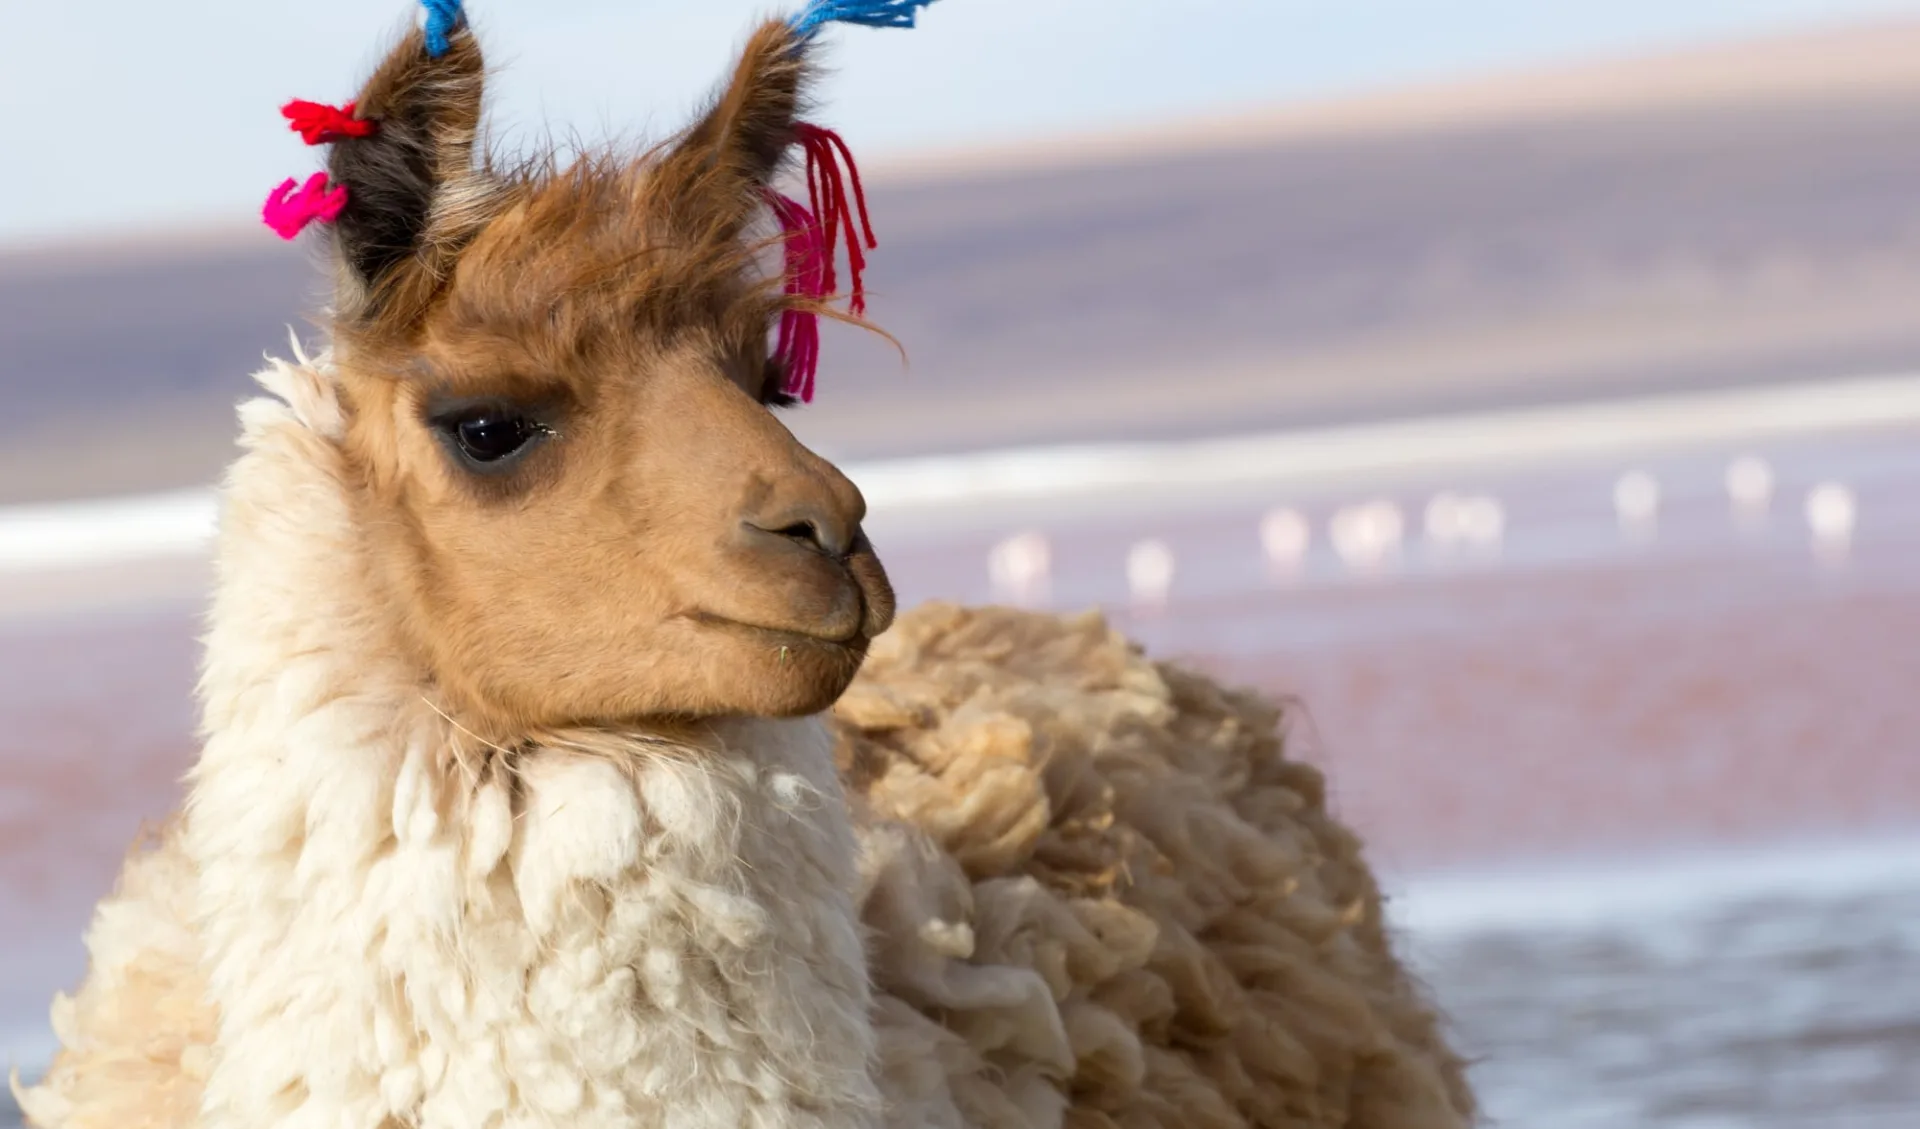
x=414, y=194
x=714, y=176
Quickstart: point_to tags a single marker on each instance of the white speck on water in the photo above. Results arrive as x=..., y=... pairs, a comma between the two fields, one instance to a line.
x=1285, y=537
x=1464, y=521
x=1368, y=537
x=1832, y=515
x=1636, y=502
x=1749, y=483
x=1150, y=571
x=1021, y=570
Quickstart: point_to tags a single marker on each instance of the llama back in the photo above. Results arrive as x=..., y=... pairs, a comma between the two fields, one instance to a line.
x=1200, y=943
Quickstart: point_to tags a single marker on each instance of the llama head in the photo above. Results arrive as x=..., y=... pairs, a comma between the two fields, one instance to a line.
x=558, y=387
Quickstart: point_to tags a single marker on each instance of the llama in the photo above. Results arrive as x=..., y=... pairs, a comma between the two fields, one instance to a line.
x=564, y=763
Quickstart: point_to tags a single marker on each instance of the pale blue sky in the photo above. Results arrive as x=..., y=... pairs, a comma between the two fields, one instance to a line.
x=136, y=115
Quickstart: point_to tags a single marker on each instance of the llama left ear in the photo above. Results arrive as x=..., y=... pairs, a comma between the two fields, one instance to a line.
x=712, y=180
x=414, y=195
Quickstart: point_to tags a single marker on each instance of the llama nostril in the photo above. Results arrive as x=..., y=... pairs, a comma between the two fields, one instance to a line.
x=801, y=531
x=823, y=536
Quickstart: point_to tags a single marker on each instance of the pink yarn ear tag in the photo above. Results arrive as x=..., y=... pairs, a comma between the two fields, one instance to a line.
x=288, y=212
x=809, y=275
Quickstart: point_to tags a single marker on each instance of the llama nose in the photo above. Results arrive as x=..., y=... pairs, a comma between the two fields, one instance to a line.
x=815, y=527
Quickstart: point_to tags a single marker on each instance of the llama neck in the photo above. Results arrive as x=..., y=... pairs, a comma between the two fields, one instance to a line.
x=607, y=928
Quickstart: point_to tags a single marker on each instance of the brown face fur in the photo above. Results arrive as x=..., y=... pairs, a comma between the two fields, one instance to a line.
x=655, y=543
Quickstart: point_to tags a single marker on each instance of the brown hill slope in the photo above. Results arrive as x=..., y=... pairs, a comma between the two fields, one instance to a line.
x=1743, y=214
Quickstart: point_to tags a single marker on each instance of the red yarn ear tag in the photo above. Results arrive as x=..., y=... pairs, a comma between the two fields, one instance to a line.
x=318, y=123
x=827, y=187
x=813, y=243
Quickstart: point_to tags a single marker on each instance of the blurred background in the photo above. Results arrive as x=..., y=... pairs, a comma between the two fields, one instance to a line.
x=1531, y=390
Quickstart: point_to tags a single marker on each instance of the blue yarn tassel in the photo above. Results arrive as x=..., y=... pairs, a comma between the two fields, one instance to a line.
x=869, y=13
x=443, y=19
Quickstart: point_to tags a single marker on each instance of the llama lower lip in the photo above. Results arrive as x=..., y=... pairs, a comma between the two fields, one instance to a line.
x=786, y=636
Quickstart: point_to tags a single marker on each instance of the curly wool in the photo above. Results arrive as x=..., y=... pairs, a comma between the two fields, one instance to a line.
x=1209, y=940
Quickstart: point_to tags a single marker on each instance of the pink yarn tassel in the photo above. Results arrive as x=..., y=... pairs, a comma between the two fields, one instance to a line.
x=809, y=275
x=288, y=212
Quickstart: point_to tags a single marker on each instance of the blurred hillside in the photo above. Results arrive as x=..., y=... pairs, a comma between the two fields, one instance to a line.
x=1743, y=214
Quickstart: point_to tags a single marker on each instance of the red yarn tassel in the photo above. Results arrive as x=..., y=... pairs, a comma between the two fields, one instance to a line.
x=318, y=123
x=827, y=186
x=813, y=242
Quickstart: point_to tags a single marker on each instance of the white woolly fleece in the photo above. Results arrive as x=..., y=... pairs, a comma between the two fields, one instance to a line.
x=612, y=930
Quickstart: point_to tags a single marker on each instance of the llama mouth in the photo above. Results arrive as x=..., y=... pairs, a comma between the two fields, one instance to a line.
x=786, y=637
x=847, y=621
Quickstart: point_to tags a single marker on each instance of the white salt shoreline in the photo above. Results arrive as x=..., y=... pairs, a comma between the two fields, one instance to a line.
x=54, y=536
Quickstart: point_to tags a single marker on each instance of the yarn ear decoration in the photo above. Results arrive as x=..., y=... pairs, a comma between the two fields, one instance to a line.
x=867, y=13
x=320, y=124
x=813, y=242
x=827, y=185
x=288, y=212
x=444, y=18
x=813, y=235
x=809, y=275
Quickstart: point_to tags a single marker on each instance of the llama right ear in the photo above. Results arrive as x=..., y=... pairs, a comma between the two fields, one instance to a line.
x=414, y=194
x=712, y=182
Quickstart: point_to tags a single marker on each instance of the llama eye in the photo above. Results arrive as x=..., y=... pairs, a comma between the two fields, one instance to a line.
x=773, y=379
x=488, y=439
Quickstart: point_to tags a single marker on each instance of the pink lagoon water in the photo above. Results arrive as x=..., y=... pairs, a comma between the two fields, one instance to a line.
x=1649, y=802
